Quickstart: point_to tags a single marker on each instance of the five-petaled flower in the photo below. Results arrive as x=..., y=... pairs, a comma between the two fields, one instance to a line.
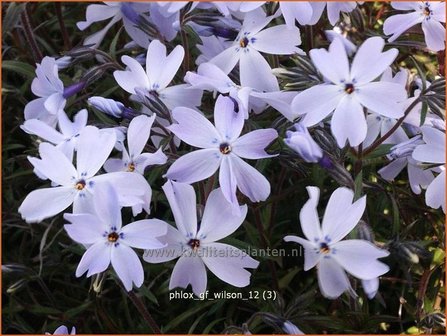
x=110, y=242
x=196, y=244
x=350, y=89
x=325, y=248
x=221, y=146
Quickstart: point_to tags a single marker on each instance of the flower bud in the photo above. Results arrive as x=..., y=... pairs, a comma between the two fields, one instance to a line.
x=405, y=148
x=63, y=62
x=303, y=144
x=108, y=106
x=73, y=89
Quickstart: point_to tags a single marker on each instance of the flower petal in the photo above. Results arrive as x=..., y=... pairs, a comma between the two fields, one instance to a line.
x=194, y=129
x=396, y=25
x=84, y=228
x=138, y=133
x=44, y=203
x=95, y=260
x=316, y=103
x=332, y=280
x=195, y=166
x=311, y=253
x=182, y=95
x=107, y=206
x=391, y=94
x=227, y=59
x=251, y=145
x=227, y=182
x=182, y=200
x=94, y=148
x=349, y=112
x=435, y=194
x=310, y=223
x=249, y=181
x=127, y=266
x=161, y=68
x=434, y=149
x=132, y=78
x=228, y=120
x=144, y=233
x=255, y=72
x=219, y=220
x=370, y=62
x=333, y=63
x=337, y=224
x=189, y=270
x=54, y=165
x=228, y=263
x=278, y=40
x=358, y=257
x=42, y=130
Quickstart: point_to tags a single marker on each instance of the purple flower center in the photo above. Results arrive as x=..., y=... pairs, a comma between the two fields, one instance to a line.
x=349, y=88
x=113, y=237
x=194, y=244
x=324, y=248
x=243, y=42
x=225, y=148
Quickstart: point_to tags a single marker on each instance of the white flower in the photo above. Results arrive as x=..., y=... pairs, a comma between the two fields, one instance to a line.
x=160, y=70
x=325, y=248
x=109, y=242
x=254, y=70
x=50, y=89
x=350, y=89
x=433, y=151
x=77, y=185
x=431, y=15
x=134, y=160
x=336, y=32
x=196, y=244
x=221, y=146
x=400, y=155
x=116, y=11
x=66, y=139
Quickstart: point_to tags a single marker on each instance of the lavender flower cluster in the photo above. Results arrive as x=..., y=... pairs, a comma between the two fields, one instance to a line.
x=357, y=92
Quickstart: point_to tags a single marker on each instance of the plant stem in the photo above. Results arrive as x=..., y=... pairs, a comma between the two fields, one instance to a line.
x=265, y=245
x=379, y=141
x=65, y=37
x=142, y=309
x=29, y=35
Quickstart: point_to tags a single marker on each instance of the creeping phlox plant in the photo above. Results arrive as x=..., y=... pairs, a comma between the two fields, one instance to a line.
x=184, y=166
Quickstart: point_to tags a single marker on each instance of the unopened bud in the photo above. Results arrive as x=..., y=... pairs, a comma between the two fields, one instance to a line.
x=405, y=148
x=302, y=143
x=73, y=89
x=106, y=105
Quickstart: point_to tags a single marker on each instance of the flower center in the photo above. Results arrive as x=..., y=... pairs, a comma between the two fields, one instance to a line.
x=225, y=148
x=131, y=167
x=80, y=185
x=349, y=88
x=243, y=42
x=194, y=243
x=427, y=11
x=324, y=248
x=113, y=237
